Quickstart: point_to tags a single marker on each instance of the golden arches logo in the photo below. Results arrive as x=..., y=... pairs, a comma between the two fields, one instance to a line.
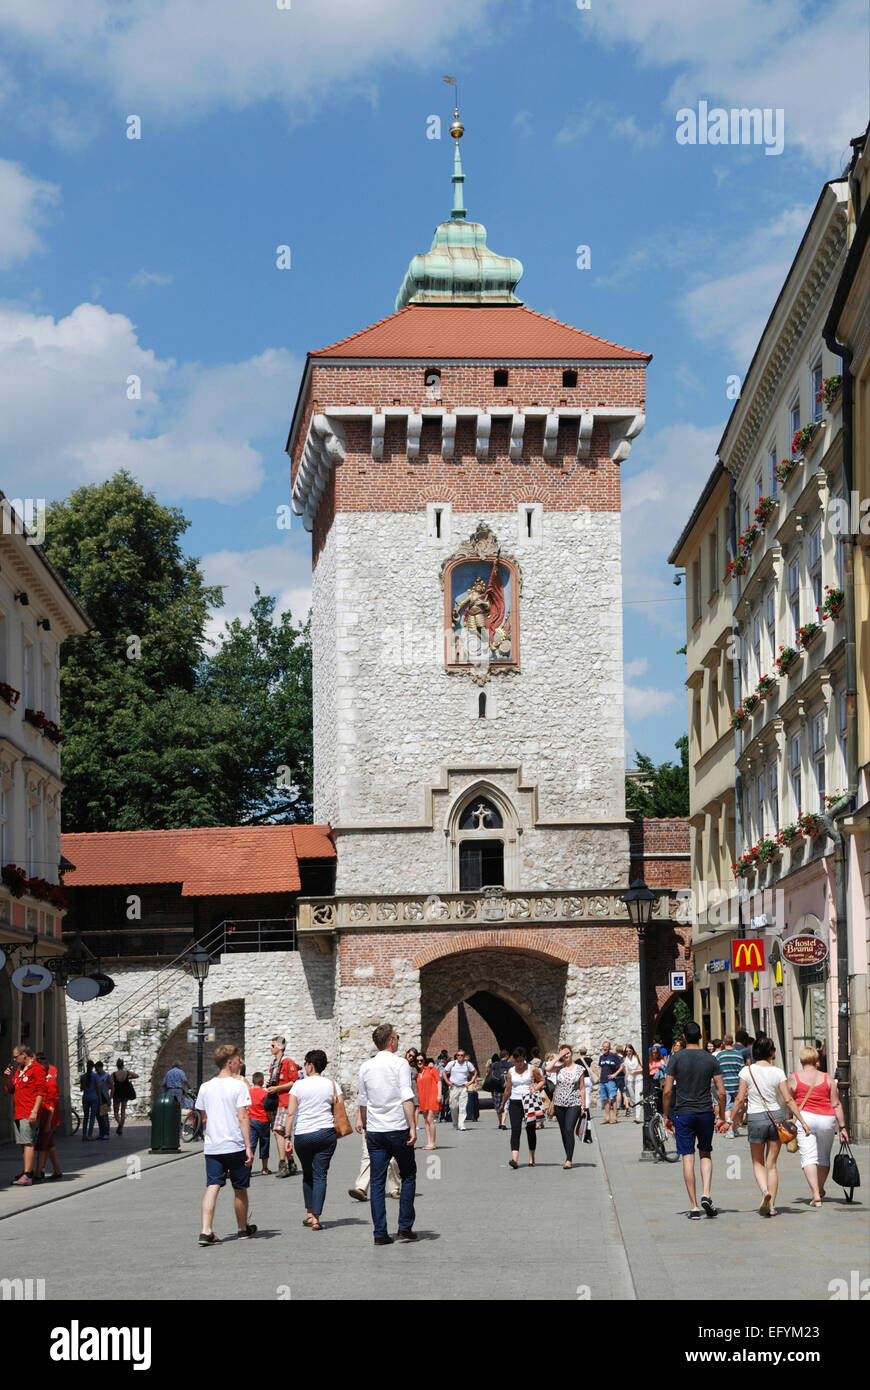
x=748, y=955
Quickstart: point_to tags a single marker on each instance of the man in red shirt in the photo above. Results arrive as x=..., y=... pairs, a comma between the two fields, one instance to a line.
x=25, y=1078
x=49, y=1121
x=259, y=1122
x=283, y=1069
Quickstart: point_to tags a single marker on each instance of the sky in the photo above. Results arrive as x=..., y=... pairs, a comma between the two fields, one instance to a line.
x=306, y=124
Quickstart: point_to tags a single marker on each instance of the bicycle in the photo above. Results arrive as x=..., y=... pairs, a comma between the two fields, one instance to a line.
x=191, y=1125
x=75, y=1120
x=663, y=1144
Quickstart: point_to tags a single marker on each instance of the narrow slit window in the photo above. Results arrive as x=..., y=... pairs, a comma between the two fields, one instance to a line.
x=438, y=522
x=529, y=515
x=481, y=705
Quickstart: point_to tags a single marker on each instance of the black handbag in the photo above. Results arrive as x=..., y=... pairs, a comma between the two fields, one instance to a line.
x=845, y=1170
x=486, y=1084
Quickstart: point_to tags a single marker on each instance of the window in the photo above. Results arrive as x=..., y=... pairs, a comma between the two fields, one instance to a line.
x=794, y=416
x=759, y=489
x=759, y=805
x=32, y=856
x=795, y=763
x=713, y=553
x=771, y=465
x=696, y=591
x=773, y=798
x=4, y=821
x=794, y=591
x=714, y=702
x=814, y=560
x=569, y=378
x=756, y=645
x=770, y=617
x=746, y=516
x=47, y=685
x=816, y=404
x=530, y=515
x=436, y=516
x=432, y=382
x=481, y=864
x=819, y=758
x=481, y=705
x=27, y=681
x=500, y=377
x=842, y=708
x=4, y=663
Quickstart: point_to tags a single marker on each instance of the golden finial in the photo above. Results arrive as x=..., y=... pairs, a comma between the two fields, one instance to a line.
x=457, y=129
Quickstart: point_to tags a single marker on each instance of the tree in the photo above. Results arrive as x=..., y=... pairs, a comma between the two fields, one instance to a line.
x=157, y=732
x=659, y=791
x=681, y=1016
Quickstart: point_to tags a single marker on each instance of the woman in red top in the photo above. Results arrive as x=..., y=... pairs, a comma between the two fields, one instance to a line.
x=49, y=1120
x=821, y=1109
x=429, y=1098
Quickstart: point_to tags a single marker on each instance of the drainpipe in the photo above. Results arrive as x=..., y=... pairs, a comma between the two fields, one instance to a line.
x=736, y=697
x=844, y=952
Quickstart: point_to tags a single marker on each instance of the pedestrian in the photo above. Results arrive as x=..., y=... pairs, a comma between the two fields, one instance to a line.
x=731, y=1064
x=591, y=1077
x=821, y=1108
x=282, y=1070
x=360, y=1192
x=411, y=1058
x=25, y=1080
x=457, y=1074
x=494, y=1082
x=744, y=1042
x=386, y=1115
x=715, y=1046
x=259, y=1122
x=568, y=1099
x=691, y=1070
x=428, y=1097
x=49, y=1122
x=633, y=1082
x=472, y=1105
x=608, y=1063
x=822, y=1049
x=763, y=1096
x=223, y=1103
x=619, y=1076
x=123, y=1091
x=443, y=1061
x=521, y=1102
x=90, y=1100
x=311, y=1114
x=104, y=1086
x=175, y=1081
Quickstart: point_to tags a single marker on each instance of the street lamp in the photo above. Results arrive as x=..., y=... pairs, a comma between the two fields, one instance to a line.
x=639, y=901
x=199, y=963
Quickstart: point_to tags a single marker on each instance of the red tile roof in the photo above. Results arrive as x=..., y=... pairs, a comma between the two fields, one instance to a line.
x=207, y=862
x=475, y=330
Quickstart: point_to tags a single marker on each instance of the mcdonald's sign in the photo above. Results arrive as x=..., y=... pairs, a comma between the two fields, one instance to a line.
x=747, y=955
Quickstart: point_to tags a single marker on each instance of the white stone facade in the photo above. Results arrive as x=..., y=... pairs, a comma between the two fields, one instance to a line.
x=398, y=737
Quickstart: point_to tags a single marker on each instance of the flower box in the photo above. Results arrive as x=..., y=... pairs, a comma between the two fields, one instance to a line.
x=807, y=634
x=830, y=392
x=832, y=606
x=36, y=718
x=749, y=537
x=788, y=836
x=810, y=825
x=787, y=659
x=784, y=469
x=766, y=687
x=15, y=879
x=765, y=510
x=739, y=565
x=738, y=717
x=804, y=439
x=766, y=851
x=52, y=731
x=9, y=693
x=47, y=892
x=749, y=703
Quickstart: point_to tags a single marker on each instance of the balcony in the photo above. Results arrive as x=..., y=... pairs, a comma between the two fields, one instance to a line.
x=323, y=917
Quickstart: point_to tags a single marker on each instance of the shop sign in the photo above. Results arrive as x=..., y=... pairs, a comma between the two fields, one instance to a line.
x=714, y=966
x=32, y=979
x=748, y=954
x=804, y=950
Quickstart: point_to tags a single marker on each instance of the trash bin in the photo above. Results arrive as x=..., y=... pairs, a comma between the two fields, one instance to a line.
x=165, y=1124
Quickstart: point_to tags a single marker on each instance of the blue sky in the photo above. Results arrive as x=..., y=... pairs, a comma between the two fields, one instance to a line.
x=306, y=126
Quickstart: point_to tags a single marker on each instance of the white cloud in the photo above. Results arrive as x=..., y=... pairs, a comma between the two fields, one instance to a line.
x=67, y=419
x=24, y=202
x=171, y=57
x=283, y=570
x=808, y=60
x=645, y=702
x=143, y=278
x=609, y=117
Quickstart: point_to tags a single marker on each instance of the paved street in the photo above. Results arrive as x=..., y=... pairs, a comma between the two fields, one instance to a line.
x=485, y=1230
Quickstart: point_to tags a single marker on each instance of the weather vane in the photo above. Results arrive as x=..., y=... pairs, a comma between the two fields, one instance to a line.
x=457, y=129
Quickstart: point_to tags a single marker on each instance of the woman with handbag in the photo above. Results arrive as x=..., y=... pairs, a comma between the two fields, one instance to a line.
x=316, y=1109
x=762, y=1099
x=634, y=1082
x=122, y=1091
x=821, y=1109
x=522, y=1103
x=570, y=1088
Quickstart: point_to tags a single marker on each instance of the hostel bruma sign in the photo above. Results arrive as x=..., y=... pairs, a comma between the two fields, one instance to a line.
x=747, y=954
x=804, y=950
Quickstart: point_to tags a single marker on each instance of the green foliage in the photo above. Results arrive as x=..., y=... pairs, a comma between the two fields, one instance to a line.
x=681, y=1016
x=660, y=791
x=158, y=732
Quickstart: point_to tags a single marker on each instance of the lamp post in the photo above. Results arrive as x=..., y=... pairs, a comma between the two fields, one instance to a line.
x=198, y=963
x=639, y=901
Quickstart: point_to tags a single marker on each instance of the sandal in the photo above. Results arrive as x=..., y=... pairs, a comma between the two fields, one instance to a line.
x=765, y=1208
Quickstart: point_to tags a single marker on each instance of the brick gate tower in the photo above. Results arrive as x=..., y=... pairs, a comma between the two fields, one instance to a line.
x=457, y=465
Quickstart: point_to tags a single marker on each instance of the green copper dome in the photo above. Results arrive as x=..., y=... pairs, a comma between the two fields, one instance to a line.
x=459, y=267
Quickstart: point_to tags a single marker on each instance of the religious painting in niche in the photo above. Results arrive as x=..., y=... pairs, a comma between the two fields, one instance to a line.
x=481, y=611
x=481, y=617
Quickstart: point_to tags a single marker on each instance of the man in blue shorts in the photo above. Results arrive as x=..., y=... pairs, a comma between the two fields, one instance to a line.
x=694, y=1071
x=608, y=1092
x=223, y=1103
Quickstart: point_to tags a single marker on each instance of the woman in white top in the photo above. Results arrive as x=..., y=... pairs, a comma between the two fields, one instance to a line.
x=763, y=1097
x=522, y=1080
x=311, y=1110
x=633, y=1082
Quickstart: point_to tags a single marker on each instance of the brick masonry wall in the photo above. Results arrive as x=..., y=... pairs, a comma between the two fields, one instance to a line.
x=660, y=854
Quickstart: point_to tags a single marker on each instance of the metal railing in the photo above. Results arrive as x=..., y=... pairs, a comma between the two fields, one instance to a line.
x=228, y=937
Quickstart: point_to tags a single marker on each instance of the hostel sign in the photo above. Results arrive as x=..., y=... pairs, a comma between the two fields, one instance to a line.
x=748, y=954
x=804, y=950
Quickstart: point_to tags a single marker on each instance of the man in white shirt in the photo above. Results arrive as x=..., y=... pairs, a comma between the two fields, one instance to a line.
x=223, y=1103
x=459, y=1073
x=386, y=1113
